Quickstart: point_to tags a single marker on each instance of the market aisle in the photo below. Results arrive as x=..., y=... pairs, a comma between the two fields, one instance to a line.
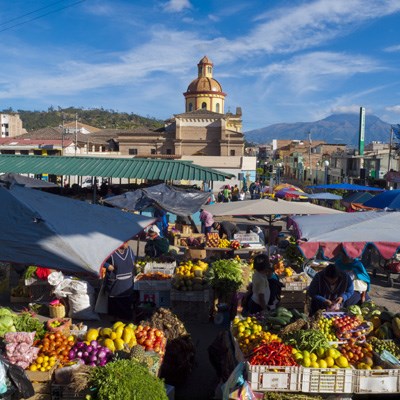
x=203, y=380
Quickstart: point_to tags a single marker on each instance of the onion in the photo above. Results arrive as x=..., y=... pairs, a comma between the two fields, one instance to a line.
x=79, y=354
x=93, y=358
x=85, y=354
x=89, y=349
x=71, y=354
x=94, y=344
x=80, y=345
x=107, y=350
x=101, y=354
x=103, y=362
x=92, y=364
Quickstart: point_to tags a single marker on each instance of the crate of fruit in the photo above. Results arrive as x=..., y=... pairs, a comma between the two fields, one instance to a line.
x=41, y=376
x=167, y=268
x=264, y=378
x=153, y=281
x=327, y=380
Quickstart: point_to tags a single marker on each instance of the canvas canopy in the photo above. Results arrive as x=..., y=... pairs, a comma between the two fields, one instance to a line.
x=267, y=207
x=389, y=199
x=26, y=181
x=346, y=186
x=53, y=231
x=178, y=201
x=352, y=231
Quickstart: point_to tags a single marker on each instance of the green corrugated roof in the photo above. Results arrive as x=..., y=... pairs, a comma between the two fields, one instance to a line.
x=135, y=168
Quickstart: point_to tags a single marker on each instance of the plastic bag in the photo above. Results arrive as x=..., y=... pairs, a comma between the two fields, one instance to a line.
x=17, y=380
x=236, y=387
x=3, y=380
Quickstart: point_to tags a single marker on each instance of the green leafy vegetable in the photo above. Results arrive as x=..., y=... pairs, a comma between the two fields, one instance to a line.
x=128, y=380
x=25, y=322
x=309, y=340
x=225, y=277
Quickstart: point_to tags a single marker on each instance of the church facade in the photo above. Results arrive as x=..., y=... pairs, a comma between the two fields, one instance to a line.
x=204, y=129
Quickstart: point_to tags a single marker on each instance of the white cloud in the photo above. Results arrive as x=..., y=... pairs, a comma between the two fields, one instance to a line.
x=351, y=109
x=177, y=5
x=392, y=49
x=394, y=109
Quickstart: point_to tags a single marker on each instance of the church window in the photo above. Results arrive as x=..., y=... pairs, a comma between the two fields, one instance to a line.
x=204, y=105
x=217, y=107
x=153, y=151
x=169, y=151
x=209, y=70
x=190, y=107
x=232, y=152
x=133, y=152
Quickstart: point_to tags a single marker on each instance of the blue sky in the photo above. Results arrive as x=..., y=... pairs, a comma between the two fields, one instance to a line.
x=279, y=60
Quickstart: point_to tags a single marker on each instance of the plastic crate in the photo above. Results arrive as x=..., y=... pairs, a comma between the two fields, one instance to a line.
x=327, y=380
x=166, y=268
x=144, y=284
x=377, y=381
x=192, y=295
x=272, y=378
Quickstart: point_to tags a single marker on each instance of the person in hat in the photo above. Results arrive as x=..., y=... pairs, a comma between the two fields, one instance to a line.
x=155, y=245
x=226, y=228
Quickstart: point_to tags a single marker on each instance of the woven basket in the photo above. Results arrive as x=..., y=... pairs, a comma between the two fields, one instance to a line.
x=57, y=312
x=64, y=328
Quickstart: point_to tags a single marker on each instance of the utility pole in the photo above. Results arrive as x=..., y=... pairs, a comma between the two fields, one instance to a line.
x=309, y=155
x=390, y=148
x=76, y=132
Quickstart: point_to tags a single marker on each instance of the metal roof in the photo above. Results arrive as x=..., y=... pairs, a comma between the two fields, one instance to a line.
x=135, y=168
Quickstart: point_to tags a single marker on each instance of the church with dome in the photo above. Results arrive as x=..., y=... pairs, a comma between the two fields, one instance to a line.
x=204, y=129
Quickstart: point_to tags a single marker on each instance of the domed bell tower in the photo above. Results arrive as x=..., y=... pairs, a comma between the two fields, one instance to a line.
x=205, y=92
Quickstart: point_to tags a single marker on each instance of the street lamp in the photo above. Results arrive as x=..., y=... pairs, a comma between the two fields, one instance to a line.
x=326, y=165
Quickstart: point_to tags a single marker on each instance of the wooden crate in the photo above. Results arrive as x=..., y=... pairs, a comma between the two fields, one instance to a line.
x=294, y=299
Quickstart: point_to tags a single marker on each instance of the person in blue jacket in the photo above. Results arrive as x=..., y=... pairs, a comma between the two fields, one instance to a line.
x=359, y=275
x=331, y=289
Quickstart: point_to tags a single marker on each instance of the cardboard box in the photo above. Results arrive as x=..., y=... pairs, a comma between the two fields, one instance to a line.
x=200, y=254
x=39, y=376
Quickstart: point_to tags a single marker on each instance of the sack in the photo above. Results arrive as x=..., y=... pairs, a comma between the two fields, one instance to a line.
x=82, y=301
x=101, y=306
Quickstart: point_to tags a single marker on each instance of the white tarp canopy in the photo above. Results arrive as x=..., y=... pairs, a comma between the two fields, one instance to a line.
x=53, y=231
x=267, y=207
x=352, y=231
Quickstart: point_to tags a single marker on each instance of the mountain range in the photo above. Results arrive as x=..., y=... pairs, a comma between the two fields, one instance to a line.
x=337, y=128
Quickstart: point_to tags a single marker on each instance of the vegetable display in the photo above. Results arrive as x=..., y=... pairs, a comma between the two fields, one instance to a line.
x=274, y=354
x=309, y=340
x=125, y=379
x=92, y=354
x=225, y=277
x=19, y=348
x=6, y=321
x=26, y=322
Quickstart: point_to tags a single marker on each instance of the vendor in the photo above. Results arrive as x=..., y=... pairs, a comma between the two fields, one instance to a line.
x=226, y=228
x=155, y=245
x=260, y=287
x=118, y=281
x=361, y=280
x=330, y=290
x=207, y=221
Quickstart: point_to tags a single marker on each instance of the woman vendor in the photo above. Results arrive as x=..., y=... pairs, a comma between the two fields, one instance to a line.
x=331, y=289
x=361, y=280
x=118, y=282
x=260, y=287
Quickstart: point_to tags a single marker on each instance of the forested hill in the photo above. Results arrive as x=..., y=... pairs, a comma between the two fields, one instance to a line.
x=99, y=118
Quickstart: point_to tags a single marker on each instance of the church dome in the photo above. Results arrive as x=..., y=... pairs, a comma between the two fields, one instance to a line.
x=204, y=84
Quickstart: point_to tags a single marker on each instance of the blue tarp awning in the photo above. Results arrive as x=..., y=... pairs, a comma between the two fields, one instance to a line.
x=346, y=186
x=358, y=197
x=389, y=199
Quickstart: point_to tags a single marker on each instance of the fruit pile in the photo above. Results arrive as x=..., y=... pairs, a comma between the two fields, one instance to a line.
x=43, y=363
x=358, y=355
x=389, y=345
x=325, y=325
x=54, y=345
x=119, y=337
x=189, y=275
x=151, y=339
x=153, y=276
x=224, y=244
x=249, y=334
x=278, y=264
x=235, y=244
x=321, y=358
x=212, y=239
x=345, y=325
